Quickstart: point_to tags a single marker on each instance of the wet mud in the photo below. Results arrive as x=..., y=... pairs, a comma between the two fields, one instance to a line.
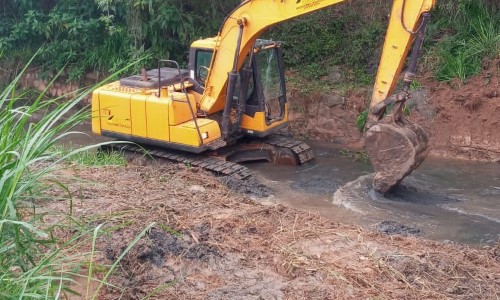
x=392, y=227
x=249, y=186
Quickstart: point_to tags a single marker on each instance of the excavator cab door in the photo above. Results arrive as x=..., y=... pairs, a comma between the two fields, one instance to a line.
x=268, y=70
x=266, y=87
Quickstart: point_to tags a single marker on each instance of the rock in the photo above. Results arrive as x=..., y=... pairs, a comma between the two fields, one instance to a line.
x=336, y=75
x=197, y=189
x=331, y=100
x=392, y=227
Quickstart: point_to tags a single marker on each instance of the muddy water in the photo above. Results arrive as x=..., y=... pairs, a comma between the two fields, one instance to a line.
x=446, y=200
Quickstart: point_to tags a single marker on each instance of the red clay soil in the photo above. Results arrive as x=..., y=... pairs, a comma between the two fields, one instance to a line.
x=212, y=243
x=461, y=119
x=466, y=117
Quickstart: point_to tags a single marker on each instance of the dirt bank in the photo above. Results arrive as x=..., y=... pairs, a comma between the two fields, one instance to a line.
x=461, y=119
x=212, y=243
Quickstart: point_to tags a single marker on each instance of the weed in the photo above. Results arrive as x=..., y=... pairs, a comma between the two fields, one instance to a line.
x=415, y=85
x=362, y=119
x=33, y=262
x=475, y=36
x=354, y=155
x=170, y=230
x=92, y=157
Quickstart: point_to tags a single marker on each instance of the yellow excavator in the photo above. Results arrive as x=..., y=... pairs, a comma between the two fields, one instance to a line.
x=234, y=88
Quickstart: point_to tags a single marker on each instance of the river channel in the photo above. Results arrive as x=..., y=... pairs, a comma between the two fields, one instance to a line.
x=446, y=200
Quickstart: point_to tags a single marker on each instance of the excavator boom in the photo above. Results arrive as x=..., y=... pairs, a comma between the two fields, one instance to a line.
x=395, y=146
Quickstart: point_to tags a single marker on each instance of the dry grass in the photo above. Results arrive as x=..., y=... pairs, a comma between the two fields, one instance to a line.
x=215, y=244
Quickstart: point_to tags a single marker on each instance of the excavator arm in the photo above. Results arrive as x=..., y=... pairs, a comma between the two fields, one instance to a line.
x=251, y=18
x=239, y=32
x=395, y=146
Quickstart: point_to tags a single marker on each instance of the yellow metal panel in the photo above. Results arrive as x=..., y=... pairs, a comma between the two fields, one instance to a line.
x=157, y=118
x=179, y=111
x=208, y=43
x=187, y=134
x=96, y=118
x=115, y=111
x=258, y=122
x=138, y=112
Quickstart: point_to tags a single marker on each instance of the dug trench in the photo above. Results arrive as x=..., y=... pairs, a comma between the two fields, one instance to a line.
x=211, y=242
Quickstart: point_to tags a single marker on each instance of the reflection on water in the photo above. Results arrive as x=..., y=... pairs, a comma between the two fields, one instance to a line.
x=448, y=200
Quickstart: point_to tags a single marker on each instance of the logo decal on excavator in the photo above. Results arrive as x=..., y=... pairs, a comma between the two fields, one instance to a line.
x=306, y=4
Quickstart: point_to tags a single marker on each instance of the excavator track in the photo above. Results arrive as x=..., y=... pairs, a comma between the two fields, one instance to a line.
x=210, y=163
x=302, y=151
x=217, y=163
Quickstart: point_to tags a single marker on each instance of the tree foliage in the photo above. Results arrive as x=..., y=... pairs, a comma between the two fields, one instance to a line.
x=103, y=35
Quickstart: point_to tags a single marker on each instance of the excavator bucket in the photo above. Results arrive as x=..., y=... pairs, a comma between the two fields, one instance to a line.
x=395, y=150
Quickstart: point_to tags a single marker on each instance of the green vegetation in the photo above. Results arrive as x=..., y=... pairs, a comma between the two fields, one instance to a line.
x=355, y=155
x=91, y=157
x=465, y=33
x=26, y=267
x=315, y=42
x=362, y=119
x=34, y=262
x=105, y=35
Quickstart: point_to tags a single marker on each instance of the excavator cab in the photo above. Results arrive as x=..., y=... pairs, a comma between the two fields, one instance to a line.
x=259, y=106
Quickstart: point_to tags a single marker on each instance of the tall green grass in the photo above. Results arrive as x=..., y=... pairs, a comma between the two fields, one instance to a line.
x=28, y=131
x=468, y=32
x=34, y=263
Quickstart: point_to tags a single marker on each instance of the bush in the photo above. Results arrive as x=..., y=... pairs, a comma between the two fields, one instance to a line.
x=338, y=39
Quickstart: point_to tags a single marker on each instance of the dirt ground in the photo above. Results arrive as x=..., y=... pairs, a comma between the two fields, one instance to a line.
x=210, y=242
x=461, y=119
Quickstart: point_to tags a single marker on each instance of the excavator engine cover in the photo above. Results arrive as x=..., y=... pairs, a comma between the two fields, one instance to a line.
x=395, y=150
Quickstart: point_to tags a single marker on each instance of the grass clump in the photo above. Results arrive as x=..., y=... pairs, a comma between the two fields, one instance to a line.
x=467, y=32
x=361, y=120
x=361, y=156
x=91, y=157
x=25, y=161
x=34, y=262
x=94, y=158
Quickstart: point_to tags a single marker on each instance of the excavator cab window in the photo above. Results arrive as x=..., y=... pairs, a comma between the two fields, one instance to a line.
x=203, y=58
x=271, y=79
